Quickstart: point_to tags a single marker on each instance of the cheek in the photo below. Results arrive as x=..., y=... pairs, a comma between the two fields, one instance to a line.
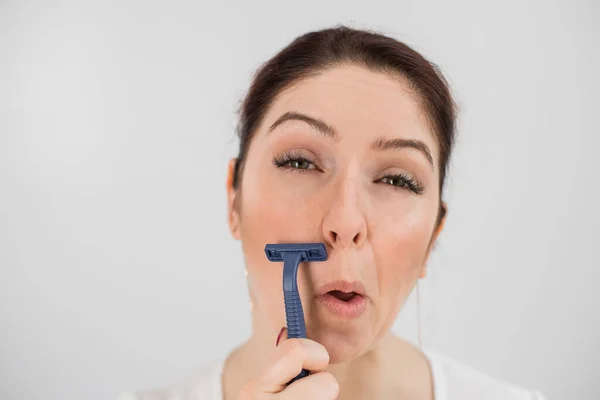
x=273, y=211
x=270, y=213
x=264, y=277
x=400, y=246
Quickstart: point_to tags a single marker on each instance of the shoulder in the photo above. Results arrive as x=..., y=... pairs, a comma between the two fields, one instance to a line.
x=454, y=380
x=203, y=384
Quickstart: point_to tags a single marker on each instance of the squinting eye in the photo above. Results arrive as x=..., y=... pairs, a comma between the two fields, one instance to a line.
x=401, y=181
x=299, y=164
x=394, y=181
x=294, y=161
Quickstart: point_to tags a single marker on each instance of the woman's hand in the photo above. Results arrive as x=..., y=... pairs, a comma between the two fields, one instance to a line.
x=291, y=356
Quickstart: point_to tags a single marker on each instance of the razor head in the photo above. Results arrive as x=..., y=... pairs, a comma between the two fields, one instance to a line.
x=309, y=251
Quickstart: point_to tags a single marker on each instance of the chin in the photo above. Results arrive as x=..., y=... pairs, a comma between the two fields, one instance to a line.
x=342, y=345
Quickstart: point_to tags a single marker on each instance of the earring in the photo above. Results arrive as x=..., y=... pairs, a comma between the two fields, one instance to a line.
x=248, y=283
x=420, y=341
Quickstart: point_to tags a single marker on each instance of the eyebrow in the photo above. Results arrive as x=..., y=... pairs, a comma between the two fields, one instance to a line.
x=380, y=144
x=316, y=123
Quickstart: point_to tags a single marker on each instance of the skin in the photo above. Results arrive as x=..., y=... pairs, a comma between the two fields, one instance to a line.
x=376, y=231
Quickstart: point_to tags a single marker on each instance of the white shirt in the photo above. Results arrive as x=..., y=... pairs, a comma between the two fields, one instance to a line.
x=451, y=381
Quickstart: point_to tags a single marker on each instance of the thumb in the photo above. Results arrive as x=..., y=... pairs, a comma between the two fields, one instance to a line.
x=281, y=336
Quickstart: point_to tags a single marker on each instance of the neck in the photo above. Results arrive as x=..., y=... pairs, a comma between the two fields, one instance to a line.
x=392, y=368
x=365, y=376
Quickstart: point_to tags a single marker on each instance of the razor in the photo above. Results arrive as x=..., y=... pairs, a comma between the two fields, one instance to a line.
x=292, y=255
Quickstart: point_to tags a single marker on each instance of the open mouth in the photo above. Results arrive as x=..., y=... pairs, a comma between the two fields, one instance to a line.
x=344, y=300
x=344, y=296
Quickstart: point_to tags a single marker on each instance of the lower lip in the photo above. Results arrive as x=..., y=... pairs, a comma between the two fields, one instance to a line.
x=352, y=308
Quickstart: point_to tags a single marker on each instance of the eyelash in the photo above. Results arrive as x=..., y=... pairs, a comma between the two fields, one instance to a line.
x=283, y=160
x=406, y=181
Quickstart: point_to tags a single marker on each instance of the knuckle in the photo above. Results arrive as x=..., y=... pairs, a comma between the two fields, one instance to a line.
x=325, y=354
x=297, y=350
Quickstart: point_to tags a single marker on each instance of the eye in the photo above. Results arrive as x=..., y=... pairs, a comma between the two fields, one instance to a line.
x=294, y=161
x=403, y=181
x=300, y=163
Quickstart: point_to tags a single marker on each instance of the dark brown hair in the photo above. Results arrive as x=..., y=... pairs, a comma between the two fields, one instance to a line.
x=314, y=52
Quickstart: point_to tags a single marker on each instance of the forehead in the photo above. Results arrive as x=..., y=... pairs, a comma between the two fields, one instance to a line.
x=360, y=104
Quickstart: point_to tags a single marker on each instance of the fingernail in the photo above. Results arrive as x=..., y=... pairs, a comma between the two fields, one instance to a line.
x=279, y=336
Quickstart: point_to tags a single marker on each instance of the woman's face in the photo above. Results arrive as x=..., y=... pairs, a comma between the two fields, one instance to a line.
x=345, y=158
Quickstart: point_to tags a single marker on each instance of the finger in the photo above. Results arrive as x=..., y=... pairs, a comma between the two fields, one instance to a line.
x=292, y=355
x=320, y=386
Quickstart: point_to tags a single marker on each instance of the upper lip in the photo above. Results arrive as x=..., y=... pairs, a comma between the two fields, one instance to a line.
x=343, y=286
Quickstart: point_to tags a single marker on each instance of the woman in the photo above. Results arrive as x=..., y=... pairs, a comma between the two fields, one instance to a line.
x=345, y=138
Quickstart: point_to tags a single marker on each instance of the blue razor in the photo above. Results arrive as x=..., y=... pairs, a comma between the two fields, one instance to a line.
x=292, y=255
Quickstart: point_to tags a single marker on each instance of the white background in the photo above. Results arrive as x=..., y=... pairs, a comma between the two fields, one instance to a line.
x=116, y=123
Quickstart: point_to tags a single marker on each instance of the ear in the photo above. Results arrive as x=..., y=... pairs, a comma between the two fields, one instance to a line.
x=233, y=217
x=434, y=238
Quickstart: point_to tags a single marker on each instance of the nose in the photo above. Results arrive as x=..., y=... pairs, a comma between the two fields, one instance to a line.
x=344, y=223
